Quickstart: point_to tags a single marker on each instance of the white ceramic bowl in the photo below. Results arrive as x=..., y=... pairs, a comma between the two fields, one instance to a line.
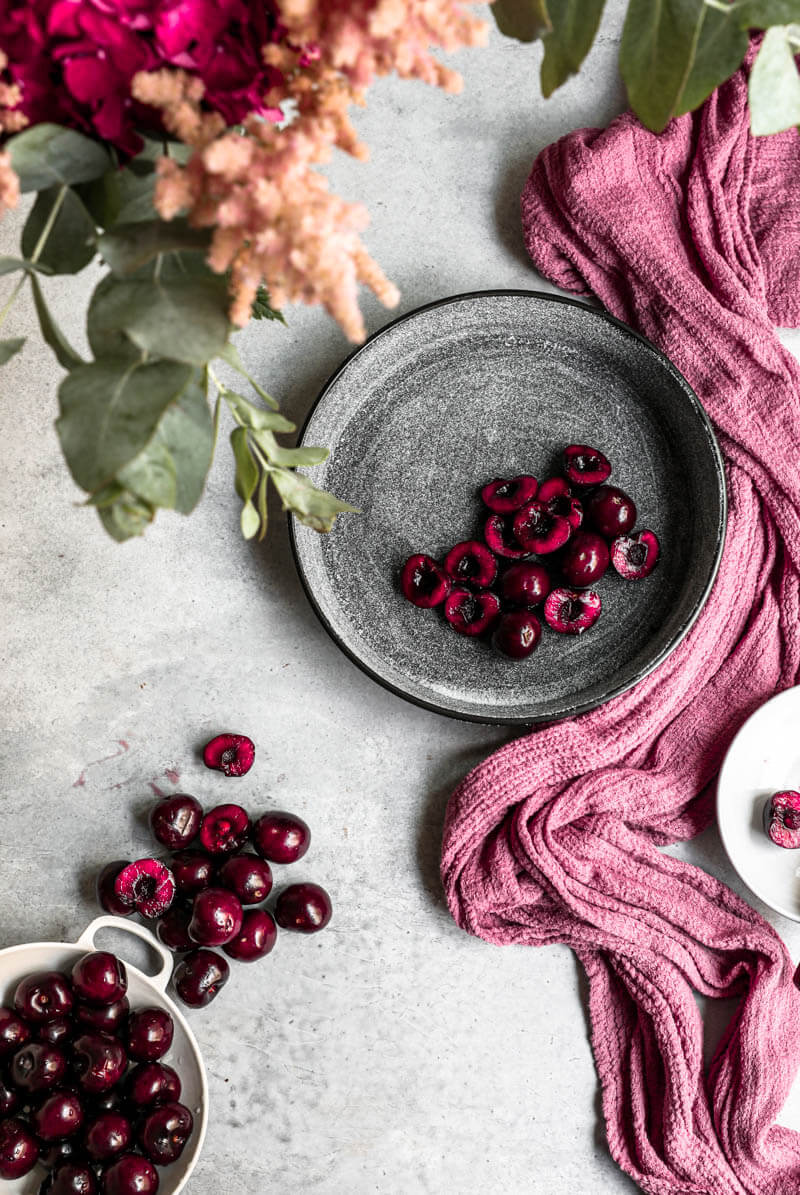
x=763, y=759
x=18, y=961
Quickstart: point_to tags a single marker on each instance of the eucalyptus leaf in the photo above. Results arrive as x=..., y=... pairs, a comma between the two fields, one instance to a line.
x=316, y=508
x=261, y=501
x=526, y=20
x=760, y=14
x=574, y=25
x=70, y=243
x=127, y=517
x=256, y=417
x=674, y=53
x=230, y=353
x=127, y=247
x=774, y=86
x=9, y=347
x=110, y=410
x=105, y=496
x=184, y=319
x=102, y=197
x=250, y=522
x=46, y=155
x=246, y=467
x=291, y=458
x=51, y=333
x=9, y=265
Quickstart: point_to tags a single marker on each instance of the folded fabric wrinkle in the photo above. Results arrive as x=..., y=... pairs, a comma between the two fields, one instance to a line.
x=693, y=238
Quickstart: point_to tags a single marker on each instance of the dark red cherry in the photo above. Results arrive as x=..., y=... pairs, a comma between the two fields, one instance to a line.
x=635, y=556
x=55, y=1153
x=173, y=928
x=499, y=536
x=585, y=466
x=423, y=582
x=56, y=1032
x=149, y=1034
x=102, y=1018
x=557, y=496
x=70, y=1178
x=303, y=907
x=99, y=978
x=152, y=1083
x=471, y=563
x=107, y=896
x=503, y=496
x=38, y=1067
x=471, y=613
x=585, y=559
x=232, y=754
x=43, y=996
x=13, y=1032
x=147, y=885
x=130, y=1174
x=611, y=511
x=572, y=611
x=538, y=530
x=255, y=939
x=216, y=917
x=108, y=1135
x=192, y=870
x=281, y=837
x=164, y=1133
x=525, y=584
x=18, y=1149
x=200, y=976
x=517, y=634
x=248, y=877
x=98, y=1062
x=224, y=830
x=9, y=1097
x=59, y=1116
x=175, y=821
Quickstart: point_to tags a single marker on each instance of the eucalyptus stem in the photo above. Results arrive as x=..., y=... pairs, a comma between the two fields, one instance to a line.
x=38, y=248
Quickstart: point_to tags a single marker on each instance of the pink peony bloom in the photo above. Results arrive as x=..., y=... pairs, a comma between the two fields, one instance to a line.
x=73, y=60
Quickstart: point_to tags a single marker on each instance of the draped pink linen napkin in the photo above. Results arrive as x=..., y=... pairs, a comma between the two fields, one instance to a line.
x=693, y=237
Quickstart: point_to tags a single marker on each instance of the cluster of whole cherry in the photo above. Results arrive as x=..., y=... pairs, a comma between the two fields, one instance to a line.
x=547, y=520
x=83, y=1085
x=204, y=895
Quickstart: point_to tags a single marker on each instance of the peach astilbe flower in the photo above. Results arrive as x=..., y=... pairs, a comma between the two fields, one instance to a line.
x=274, y=219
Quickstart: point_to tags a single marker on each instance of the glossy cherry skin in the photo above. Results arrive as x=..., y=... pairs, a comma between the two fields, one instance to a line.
x=586, y=466
x=611, y=511
x=255, y=939
x=525, y=585
x=9, y=1097
x=503, y=496
x=56, y=1032
x=248, y=877
x=108, y=1135
x=173, y=928
x=281, y=837
x=43, y=996
x=59, y=1116
x=99, y=978
x=13, y=1032
x=200, y=976
x=216, y=917
x=107, y=896
x=38, y=1067
x=164, y=1133
x=224, y=830
x=305, y=908
x=423, y=582
x=471, y=613
x=149, y=1034
x=98, y=1061
x=192, y=870
x=103, y=1018
x=152, y=1083
x=130, y=1175
x=585, y=560
x=18, y=1149
x=472, y=564
x=70, y=1178
x=517, y=634
x=56, y=1152
x=175, y=821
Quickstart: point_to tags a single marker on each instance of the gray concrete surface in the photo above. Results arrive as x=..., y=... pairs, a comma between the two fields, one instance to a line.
x=392, y=1053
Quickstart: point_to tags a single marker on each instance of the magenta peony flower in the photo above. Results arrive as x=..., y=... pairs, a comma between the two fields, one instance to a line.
x=74, y=59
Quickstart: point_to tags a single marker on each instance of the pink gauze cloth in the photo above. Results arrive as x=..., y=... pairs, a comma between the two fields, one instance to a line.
x=693, y=237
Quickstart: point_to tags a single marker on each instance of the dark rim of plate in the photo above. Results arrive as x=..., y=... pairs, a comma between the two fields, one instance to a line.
x=680, y=634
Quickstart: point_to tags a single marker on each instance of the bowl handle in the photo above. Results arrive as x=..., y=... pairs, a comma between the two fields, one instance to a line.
x=161, y=978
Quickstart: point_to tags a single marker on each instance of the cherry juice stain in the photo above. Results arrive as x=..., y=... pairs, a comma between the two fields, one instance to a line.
x=123, y=745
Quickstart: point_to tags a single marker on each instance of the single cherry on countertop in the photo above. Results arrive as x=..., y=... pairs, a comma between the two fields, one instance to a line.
x=200, y=976
x=281, y=837
x=224, y=830
x=248, y=877
x=255, y=939
x=175, y=821
x=216, y=917
x=232, y=754
x=305, y=908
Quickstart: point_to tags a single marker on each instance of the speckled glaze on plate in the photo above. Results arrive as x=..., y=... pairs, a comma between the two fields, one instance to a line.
x=493, y=384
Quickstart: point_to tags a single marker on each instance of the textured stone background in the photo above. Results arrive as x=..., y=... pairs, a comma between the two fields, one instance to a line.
x=392, y=1053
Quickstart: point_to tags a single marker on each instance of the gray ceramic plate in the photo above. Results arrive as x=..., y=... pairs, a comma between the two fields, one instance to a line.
x=493, y=384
